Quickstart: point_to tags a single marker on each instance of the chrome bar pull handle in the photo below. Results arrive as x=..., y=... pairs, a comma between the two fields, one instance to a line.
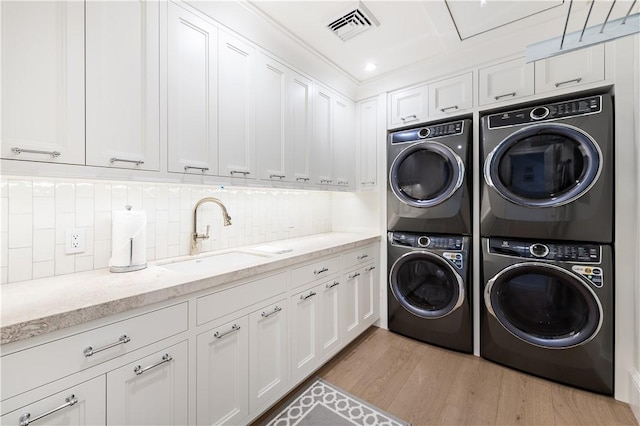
x=370, y=268
x=311, y=294
x=332, y=285
x=325, y=181
x=412, y=117
x=25, y=419
x=124, y=160
x=165, y=358
x=504, y=96
x=573, y=80
x=362, y=256
x=275, y=311
x=277, y=176
x=367, y=183
x=454, y=107
x=239, y=172
x=19, y=151
x=320, y=271
x=89, y=351
x=304, y=179
x=234, y=328
x=202, y=169
x=357, y=274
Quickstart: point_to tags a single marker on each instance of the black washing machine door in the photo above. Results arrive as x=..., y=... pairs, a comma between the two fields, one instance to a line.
x=544, y=305
x=426, y=285
x=544, y=165
x=426, y=174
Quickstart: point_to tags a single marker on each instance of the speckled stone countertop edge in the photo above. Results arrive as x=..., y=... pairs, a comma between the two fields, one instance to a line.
x=33, y=308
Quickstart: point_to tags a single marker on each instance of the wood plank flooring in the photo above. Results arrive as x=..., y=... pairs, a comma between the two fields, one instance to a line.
x=427, y=385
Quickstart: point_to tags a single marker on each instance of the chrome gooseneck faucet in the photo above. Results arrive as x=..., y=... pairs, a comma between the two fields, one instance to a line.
x=195, y=237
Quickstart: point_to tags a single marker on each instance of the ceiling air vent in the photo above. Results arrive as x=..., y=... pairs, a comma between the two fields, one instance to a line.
x=354, y=22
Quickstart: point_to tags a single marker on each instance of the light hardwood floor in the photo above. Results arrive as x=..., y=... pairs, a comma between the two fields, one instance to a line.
x=427, y=385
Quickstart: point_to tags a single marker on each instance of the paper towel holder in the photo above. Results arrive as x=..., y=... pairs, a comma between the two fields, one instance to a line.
x=130, y=267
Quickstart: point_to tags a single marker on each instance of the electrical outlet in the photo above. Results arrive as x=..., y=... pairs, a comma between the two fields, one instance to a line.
x=74, y=241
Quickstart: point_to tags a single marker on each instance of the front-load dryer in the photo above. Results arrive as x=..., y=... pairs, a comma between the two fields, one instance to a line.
x=429, y=186
x=429, y=291
x=548, y=310
x=548, y=171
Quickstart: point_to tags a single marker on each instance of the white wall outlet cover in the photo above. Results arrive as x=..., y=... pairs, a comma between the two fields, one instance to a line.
x=74, y=240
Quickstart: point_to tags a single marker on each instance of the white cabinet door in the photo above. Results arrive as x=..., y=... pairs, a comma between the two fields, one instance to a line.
x=408, y=106
x=275, y=149
x=123, y=84
x=192, y=93
x=305, y=351
x=570, y=69
x=451, y=96
x=268, y=361
x=329, y=325
x=322, y=145
x=367, y=147
x=84, y=404
x=42, y=89
x=344, y=143
x=151, y=391
x=351, y=306
x=369, y=297
x=299, y=127
x=236, y=111
x=222, y=383
x=505, y=81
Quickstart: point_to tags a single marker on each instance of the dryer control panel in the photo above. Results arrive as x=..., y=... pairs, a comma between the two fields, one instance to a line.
x=588, y=253
x=551, y=111
x=436, y=242
x=427, y=132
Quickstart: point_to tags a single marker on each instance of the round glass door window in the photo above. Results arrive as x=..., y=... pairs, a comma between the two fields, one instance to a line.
x=544, y=305
x=546, y=165
x=426, y=174
x=426, y=285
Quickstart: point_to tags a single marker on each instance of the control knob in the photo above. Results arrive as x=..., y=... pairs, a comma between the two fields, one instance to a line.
x=539, y=250
x=539, y=113
x=423, y=241
x=424, y=132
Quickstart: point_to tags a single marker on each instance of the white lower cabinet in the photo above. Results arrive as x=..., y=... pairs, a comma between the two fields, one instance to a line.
x=151, y=390
x=222, y=381
x=83, y=404
x=329, y=326
x=362, y=300
x=305, y=317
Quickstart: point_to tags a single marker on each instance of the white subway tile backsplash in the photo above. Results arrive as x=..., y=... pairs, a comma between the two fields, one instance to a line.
x=65, y=197
x=64, y=222
x=101, y=254
x=21, y=265
x=44, y=216
x=102, y=226
x=4, y=214
x=83, y=263
x=4, y=249
x=84, y=212
x=20, y=197
x=20, y=230
x=84, y=190
x=102, y=197
x=65, y=263
x=44, y=245
x=43, y=188
x=3, y=275
x=43, y=269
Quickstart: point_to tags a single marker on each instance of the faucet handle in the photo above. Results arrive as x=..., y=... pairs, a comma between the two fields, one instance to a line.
x=208, y=230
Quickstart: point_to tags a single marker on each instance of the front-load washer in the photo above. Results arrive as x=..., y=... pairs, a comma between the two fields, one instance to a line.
x=548, y=171
x=429, y=291
x=548, y=310
x=429, y=186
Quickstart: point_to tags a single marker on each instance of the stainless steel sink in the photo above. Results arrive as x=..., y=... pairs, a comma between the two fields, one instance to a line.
x=213, y=263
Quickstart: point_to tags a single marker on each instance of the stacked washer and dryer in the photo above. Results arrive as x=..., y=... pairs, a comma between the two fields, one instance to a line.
x=429, y=245
x=547, y=225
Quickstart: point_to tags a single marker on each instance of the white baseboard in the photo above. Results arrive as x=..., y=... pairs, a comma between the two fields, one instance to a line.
x=634, y=400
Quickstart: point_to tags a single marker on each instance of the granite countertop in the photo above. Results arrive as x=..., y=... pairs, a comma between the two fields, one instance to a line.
x=32, y=308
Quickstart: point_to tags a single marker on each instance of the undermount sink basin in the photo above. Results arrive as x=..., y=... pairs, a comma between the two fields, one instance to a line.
x=212, y=263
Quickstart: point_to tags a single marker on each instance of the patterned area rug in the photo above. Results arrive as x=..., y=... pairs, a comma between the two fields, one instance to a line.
x=322, y=404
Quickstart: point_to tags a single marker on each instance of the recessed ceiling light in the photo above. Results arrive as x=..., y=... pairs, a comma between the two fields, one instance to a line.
x=370, y=67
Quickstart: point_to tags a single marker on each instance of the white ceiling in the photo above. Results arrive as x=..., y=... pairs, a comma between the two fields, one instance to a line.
x=412, y=32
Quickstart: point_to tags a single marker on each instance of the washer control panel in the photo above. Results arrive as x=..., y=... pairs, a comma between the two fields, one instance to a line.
x=427, y=132
x=564, y=252
x=552, y=111
x=450, y=246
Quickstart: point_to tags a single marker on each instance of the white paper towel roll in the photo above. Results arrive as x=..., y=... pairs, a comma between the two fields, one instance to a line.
x=128, y=241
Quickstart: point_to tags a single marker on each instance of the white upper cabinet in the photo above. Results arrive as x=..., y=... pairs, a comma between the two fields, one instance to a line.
x=322, y=145
x=299, y=127
x=192, y=93
x=451, y=96
x=42, y=89
x=123, y=84
x=505, y=81
x=367, y=137
x=570, y=69
x=236, y=107
x=408, y=106
x=344, y=142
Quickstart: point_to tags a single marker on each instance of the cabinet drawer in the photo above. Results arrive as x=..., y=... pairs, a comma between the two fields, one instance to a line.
x=32, y=367
x=219, y=304
x=356, y=257
x=315, y=271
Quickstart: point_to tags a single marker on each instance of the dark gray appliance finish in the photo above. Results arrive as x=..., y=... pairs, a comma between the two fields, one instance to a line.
x=429, y=288
x=429, y=186
x=548, y=310
x=548, y=171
